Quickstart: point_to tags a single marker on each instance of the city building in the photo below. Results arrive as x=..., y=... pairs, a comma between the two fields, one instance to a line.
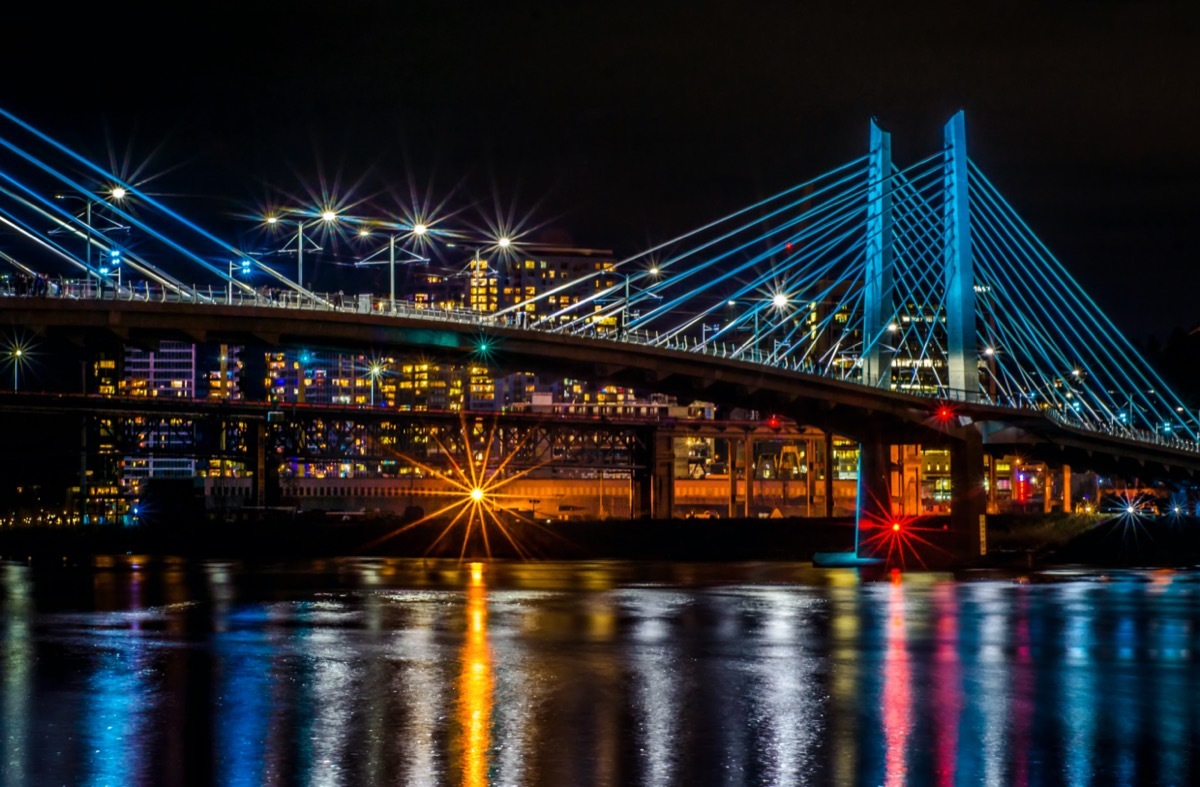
x=168, y=371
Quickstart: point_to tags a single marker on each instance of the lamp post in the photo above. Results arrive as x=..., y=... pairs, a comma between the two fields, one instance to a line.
x=418, y=230
x=327, y=216
x=300, y=253
x=245, y=271
x=625, y=313
x=17, y=354
x=373, y=372
x=117, y=193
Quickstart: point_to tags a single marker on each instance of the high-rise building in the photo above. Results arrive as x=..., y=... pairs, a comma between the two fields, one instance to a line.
x=168, y=371
x=552, y=286
x=224, y=378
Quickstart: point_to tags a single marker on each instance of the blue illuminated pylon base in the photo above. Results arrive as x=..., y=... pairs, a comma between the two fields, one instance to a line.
x=844, y=560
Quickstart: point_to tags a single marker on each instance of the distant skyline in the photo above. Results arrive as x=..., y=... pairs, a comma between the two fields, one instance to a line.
x=620, y=125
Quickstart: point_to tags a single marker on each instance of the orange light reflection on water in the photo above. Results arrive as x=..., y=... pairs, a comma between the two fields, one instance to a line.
x=475, y=685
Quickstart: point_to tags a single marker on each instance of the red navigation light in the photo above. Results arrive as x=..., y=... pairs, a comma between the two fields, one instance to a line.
x=774, y=423
x=944, y=413
x=896, y=526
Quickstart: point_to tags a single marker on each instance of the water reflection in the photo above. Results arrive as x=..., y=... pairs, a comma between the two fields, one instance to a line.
x=657, y=674
x=475, y=686
x=429, y=673
x=897, y=698
x=17, y=649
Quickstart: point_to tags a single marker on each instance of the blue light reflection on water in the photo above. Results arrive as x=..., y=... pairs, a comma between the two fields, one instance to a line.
x=382, y=672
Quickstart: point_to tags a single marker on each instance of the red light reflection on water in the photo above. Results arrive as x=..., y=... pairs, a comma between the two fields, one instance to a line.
x=1023, y=699
x=897, y=689
x=948, y=693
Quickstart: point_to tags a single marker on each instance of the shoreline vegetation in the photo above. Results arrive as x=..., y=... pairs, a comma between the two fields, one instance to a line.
x=1014, y=542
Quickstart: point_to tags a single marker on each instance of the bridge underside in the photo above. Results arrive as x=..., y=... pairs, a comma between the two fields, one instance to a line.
x=846, y=408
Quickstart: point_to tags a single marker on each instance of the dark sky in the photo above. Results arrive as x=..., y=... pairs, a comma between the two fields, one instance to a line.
x=621, y=124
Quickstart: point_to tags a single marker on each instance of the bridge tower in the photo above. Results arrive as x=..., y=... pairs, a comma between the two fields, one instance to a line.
x=874, y=498
x=963, y=372
x=877, y=274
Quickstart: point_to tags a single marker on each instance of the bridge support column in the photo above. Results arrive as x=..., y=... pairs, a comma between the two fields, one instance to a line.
x=1066, y=489
x=961, y=351
x=260, y=463
x=1047, y=489
x=828, y=465
x=748, y=452
x=992, y=506
x=83, y=470
x=874, y=499
x=662, y=480
x=733, y=484
x=968, y=506
x=810, y=475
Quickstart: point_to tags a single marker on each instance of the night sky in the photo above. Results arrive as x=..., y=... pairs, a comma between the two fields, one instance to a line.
x=616, y=125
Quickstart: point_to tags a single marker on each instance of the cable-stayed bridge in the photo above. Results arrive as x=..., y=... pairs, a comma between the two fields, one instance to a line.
x=890, y=301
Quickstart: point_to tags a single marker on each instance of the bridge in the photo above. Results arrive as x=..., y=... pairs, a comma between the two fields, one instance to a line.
x=892, y=304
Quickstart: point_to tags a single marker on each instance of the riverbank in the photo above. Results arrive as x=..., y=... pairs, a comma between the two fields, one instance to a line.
x=1022, y=542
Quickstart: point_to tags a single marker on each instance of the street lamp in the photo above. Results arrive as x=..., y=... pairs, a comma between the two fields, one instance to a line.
x=245, y=270
x=373, y=373
x=419, y=229
x=625, y=302
x=117, y=193
x=17, y=354
x=327, y=216
x=114, y=258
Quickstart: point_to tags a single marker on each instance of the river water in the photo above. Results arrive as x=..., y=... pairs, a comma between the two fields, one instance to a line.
x=414, y=672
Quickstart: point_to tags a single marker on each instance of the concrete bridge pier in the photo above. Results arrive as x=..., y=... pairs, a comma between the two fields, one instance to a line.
x=992, y=504
x=733, y=484
x=1066, y=489
x=267, y=491
x=260, y=463
x=656, y=484
x=874, y=502
x=968, y=506
x=748, y=453
x=827, y=459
